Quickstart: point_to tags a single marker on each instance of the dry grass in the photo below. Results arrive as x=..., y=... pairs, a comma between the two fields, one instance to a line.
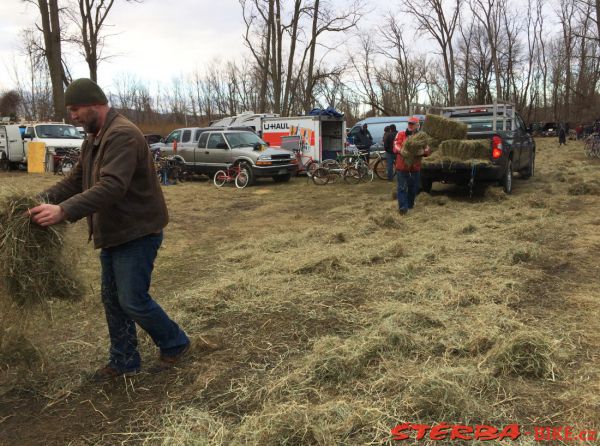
x=36, y=266
x=336, y=318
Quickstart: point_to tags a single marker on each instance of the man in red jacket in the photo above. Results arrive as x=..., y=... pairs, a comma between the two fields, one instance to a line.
x=409, y=175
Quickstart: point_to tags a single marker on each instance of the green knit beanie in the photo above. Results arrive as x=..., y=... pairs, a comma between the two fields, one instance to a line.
x=84, y=92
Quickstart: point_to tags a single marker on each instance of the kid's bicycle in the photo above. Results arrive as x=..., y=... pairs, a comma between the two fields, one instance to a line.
x=232, y=174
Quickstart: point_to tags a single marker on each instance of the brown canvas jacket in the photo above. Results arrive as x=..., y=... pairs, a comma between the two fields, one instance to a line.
x=114, y=185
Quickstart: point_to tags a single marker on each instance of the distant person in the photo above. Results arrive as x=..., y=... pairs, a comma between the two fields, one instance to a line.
x=579, y=132
x=562, y=135
x=364, y=141
x=114, y=186
x=390, y=156
x=409, y=176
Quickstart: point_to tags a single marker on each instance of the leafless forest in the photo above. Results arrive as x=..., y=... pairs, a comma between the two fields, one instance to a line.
x=542, y=55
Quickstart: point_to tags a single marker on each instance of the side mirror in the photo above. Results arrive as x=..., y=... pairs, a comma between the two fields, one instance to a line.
x=162, y=140
x=221, y=145
x=268, y=144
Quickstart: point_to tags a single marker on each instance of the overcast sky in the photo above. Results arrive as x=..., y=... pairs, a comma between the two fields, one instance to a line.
x=156, y=40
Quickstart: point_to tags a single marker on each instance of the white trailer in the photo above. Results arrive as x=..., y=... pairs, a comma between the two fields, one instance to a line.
x=320, y=137
x=12, y=147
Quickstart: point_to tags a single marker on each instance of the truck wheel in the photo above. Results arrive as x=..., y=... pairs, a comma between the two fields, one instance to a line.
x=530, y=169
x=245, y=166
x=506, y=181
x=282, y=178
x=426, y=184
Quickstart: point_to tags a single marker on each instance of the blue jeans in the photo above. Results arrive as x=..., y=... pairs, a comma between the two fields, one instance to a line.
x=390, y=159
x=408, y=188
x=126, y=275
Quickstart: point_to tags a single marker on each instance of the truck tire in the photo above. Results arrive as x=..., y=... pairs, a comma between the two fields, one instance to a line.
x=282, y=178
x=530, y=169
x=506, y=181
x=245, y=166
x=426, y=184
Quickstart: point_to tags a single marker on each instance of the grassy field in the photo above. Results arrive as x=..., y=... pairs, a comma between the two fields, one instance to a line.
x=335, y=317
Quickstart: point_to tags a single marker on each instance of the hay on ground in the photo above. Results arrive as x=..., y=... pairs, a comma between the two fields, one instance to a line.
x=35, y=267
x=529, y=355
x=443, y=129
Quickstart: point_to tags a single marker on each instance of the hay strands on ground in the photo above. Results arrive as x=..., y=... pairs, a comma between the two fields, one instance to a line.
x=36, y=268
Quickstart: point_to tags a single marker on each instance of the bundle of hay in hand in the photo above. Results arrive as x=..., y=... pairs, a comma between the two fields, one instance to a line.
x=35, y=267
x=413, y=147
x=463, y=151
x=442, y=129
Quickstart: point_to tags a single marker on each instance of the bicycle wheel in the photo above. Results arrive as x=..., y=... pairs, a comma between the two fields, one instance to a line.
x=321, y=176
x=311, y=167
x=242, y=179
x=380, y=168
x=352, y=175
x=220, y=178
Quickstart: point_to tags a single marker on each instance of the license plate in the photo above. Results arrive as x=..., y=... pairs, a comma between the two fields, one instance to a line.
x=282, y=172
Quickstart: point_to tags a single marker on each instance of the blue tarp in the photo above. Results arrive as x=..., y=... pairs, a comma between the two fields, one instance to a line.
x=329, y=111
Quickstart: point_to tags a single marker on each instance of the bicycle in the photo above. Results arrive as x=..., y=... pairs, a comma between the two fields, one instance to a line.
x=592, y=146
x=66, y=162
x=232, y=174
x=309, y=167
x=379, y=165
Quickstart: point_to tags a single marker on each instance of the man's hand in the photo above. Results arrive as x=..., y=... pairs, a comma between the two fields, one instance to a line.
x=427, y=151
x=47, y=214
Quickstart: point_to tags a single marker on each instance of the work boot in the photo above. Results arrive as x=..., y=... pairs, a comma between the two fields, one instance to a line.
x=109, y=373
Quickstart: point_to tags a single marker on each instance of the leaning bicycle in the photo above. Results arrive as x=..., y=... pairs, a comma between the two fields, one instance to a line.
x=592, y=146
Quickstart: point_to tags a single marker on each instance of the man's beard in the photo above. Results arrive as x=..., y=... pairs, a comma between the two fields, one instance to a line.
x=92, y=126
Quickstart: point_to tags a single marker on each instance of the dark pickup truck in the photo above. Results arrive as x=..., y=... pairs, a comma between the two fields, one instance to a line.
x=512, y=148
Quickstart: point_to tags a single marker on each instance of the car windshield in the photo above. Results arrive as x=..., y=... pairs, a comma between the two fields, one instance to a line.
x=58, y=131
x=243, y=139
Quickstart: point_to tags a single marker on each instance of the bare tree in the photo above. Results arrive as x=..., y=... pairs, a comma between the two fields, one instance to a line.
x=89, y=16
x=489, y=14
x=51, y=29
x=432, y=18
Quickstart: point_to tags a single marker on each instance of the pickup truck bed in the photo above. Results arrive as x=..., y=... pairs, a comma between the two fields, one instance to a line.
x=513, y=149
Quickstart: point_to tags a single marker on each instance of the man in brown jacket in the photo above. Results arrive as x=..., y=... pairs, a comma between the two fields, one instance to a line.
x=114, y=185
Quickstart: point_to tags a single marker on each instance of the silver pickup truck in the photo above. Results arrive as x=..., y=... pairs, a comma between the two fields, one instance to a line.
x=207, y=150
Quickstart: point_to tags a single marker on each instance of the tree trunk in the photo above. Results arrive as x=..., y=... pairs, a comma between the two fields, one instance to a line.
x=308, y=92
x=52, y=42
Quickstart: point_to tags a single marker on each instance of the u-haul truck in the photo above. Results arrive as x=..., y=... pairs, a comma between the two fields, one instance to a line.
x=321, y=137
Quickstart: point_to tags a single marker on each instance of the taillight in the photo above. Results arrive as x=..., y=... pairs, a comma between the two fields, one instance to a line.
x=496, y=147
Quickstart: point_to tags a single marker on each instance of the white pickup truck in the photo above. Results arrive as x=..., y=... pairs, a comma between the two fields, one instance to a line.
x=59, y=138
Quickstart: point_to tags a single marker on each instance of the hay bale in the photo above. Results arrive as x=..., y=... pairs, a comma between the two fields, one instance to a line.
x=413, y=147
x=462, y=151
x=443, y=129
x=35, y=267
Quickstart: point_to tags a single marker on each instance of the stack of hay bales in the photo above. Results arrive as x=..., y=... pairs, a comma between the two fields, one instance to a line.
x=450, y=144
x=35, y=267
x=436, y=129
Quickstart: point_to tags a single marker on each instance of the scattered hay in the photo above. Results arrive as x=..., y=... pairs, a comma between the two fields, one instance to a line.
x=469, y=229
x=387, y=221
x=583, y=188
x=293, y=423
x=326, y=266
x=190, y=425
x=16, y=348
x=443, y=129
x=525, y=354
x=452, y=395
x=36, y=268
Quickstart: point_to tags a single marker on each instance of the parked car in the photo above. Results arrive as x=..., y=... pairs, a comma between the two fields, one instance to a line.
x=215, y=148
x=152, y=138
x=376, y=126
